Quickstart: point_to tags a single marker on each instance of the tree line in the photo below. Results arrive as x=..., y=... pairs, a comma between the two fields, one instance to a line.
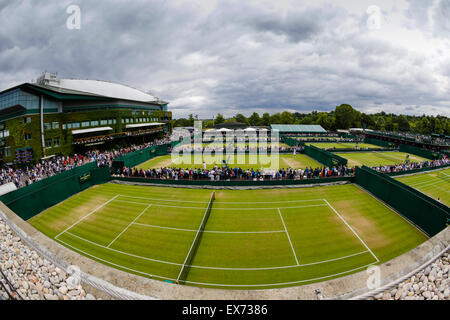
x=343, y=117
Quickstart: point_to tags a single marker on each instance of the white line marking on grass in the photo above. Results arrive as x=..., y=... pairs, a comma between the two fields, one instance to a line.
x=236, y=209
x=278, y=284
x=196, y=235
x=210, y=284
x=210, y=231
x=98, y=208
x=255, y=202
x=209, y=267
x=287, y=233
x=354, y=232
x=160, y=199
x=137, y=217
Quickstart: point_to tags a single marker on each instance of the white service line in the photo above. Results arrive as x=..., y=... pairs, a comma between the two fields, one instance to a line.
x=287, y=233
x=354, y=232
x=210, y=231
x=98, y=208
x=137, y=217
x=235, y=209
x=211, y=284
x=209, y=267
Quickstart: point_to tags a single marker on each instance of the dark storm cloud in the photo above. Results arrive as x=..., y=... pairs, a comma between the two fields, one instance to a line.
x=229, y=56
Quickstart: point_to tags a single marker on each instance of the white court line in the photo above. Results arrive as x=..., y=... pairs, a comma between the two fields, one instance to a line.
x=196, y=235
x=287, y=233
x=209, y=267
x=87, y=215
x=210, y=231
x=236, y=209
x=230, y=202
x=212, y=284
x=429, y=184
x=354, y=232
x=137, y=217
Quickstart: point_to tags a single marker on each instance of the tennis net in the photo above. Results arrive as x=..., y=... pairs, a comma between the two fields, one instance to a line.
x=194, y=246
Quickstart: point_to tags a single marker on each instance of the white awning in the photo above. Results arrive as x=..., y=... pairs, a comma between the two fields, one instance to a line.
x=148, y=124
x=91, y=130
x=7, y=187
x=250, y=129
x=224, y=130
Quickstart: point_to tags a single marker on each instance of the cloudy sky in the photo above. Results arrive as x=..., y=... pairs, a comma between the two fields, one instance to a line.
x=209, y=56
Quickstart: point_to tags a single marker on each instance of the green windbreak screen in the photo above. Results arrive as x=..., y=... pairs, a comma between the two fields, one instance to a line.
x=428, y=214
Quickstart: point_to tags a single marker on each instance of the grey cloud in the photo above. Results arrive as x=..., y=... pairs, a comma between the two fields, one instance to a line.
x=237, y=57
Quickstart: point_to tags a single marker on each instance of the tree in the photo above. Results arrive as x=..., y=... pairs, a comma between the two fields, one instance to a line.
x=265, y=121
x=241, y=118
x=254, y=119
x=345, y=116
x=219, y=119
x=286, y=118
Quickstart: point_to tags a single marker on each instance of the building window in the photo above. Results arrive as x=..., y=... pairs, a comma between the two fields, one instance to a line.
x=6, y=133
x=7, y=151
x=75, y=125
x=103, y=122
x=27, y=120
x=110, y=121
x=94, y=123
x=56, y=142
x=55, y=125
x=127, y=120
x=114, y=121
x=27, y=136
x=48, y=143
x=64, y=126
x=47, y=126
x=85, y=124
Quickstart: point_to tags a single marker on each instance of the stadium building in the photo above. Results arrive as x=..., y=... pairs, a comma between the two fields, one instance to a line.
x=65, y=116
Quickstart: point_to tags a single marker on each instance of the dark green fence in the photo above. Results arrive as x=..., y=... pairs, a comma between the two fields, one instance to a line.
x=234, y=183
x=429, y=215
x=28, y=201
x=135, y=158
x=325, y=157
x=393, y=174
x=292, y=142
x=424, y=153
x=380, y=143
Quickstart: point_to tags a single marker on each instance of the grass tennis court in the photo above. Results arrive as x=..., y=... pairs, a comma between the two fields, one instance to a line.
x=253, y=239
x=372, y=159
x=434, y=184
x=342, y=145
x=244, y=162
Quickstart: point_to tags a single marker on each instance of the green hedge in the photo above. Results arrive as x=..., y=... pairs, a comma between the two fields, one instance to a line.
x=429, y=215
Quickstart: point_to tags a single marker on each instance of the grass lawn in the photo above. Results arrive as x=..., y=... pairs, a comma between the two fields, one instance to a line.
x=342, y=145
x=242, y=161
x=372, y=159
x=435, y=184
x=253, y=239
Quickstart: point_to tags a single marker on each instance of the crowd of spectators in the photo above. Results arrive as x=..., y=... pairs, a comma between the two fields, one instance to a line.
x=413, y=165
x=228, y=173
x=46, y=168
x=417, y=137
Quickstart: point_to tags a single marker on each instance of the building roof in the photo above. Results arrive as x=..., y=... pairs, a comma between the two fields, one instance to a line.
x=147, y=124
x=298, y=128
x=91, y=130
